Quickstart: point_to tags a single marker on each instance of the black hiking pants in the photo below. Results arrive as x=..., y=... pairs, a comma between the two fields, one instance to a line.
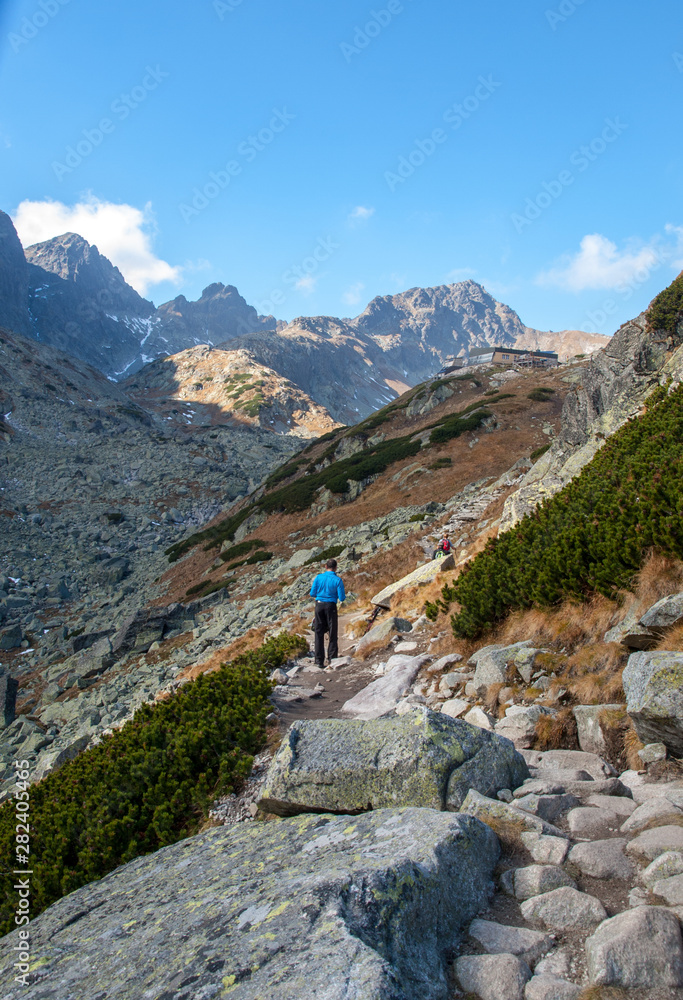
x=325, y=621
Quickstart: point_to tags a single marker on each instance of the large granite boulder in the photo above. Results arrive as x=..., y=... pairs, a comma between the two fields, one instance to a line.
x=653, y=685
x=422, y=758
x=314, y=906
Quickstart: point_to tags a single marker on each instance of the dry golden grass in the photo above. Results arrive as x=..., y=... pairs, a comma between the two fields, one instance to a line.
x=673, y=640
x=555, y=732
x=491, y=700
x=632, y=744
x=603, y=993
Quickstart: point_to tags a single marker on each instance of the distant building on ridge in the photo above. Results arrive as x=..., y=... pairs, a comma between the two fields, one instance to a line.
x=512, y=356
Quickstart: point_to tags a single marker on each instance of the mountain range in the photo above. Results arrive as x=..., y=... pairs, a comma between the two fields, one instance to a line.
x=67, y=295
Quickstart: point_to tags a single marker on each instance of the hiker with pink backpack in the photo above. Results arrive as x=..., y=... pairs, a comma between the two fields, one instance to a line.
x=444, y=548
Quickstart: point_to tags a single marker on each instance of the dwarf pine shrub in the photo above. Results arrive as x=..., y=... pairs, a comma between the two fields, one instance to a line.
x=590, y=537
x=666, y=309
x=146, y=785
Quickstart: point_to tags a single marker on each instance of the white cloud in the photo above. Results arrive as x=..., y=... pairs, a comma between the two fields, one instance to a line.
x=460, y=273
x=360, y=214
x=123, y=233
x=352, y=295
x=601, y=264
x=306, y=284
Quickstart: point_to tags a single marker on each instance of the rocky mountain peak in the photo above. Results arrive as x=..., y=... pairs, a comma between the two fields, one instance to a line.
x=14, y=312
x=220, y=314
x=73, y=259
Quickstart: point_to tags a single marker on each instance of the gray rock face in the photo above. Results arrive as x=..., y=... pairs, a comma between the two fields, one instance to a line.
x=8, y=698
x=653, y=684
x=311, y=906
x=14, y=313
x=10, y=638
x=419, y=759
x=588, y=727
x=637, y=948
x=612, y=388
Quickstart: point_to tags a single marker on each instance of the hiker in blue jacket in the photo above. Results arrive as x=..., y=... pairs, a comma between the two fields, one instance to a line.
x=327, y=589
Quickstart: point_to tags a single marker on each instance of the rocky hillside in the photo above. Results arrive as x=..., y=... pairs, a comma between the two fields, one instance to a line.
x=206, y=386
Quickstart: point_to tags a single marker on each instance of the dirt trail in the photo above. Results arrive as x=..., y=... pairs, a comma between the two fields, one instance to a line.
x=340, y=685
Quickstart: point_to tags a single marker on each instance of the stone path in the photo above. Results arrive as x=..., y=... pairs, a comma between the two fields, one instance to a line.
x=595, y=902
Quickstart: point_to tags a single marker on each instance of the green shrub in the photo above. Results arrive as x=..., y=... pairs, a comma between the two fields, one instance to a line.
x=441, y=463
x=241, y=549
x=284, y=472
x=205, y=588
x=214, y=536
x=147, y=785
x=257, y=557
x=540, y=394
x=667, y=308
x=535, y=455
x=454, y=426
x=417, y=517
x=330, y=553
x=591, y=536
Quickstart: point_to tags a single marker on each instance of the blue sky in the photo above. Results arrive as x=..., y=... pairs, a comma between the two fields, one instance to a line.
x=356, y=149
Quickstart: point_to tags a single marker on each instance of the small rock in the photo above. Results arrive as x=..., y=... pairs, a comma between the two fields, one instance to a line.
x=500, y=939
x=545, y=850
x=617, y=804
x=279, y=676
x=665, y=866
x=587, y=822
x=446, y=661
x=535, y=880
x=405, y=647
x=548, y=807
x=478, y=717
x=505, y=795
x=652, y=753
x=569, y=759
x=551, y=988
x=602, y=859
x=455, y=707
x=492, y=977
x=505, y=819
x=670, y=889
x=638, y=897
x=654, y=811
x=564, y=909
x=651, y=843
x=557, y=964
x=589, y=731
x=637, y=948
